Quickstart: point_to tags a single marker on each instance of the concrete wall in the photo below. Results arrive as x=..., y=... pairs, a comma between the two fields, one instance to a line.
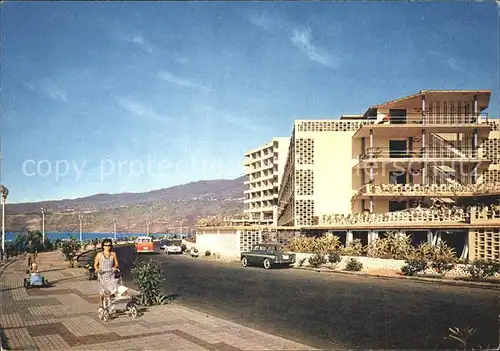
x=225, y=243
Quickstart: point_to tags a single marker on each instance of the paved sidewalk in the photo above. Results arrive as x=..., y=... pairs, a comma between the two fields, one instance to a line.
x=64, y=317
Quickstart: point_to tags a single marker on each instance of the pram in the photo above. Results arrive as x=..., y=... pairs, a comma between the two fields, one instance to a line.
x=115, y=301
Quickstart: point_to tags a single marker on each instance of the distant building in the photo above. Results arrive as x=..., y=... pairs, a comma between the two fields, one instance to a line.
x=264, y=169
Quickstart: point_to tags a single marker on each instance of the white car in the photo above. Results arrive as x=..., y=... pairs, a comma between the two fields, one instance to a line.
x=172, y=247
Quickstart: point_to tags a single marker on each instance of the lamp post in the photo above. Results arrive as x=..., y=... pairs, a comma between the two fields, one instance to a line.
x=147, y=228
x=114, y=227
x=43, y=224
x=4, y=192
x=81, y=224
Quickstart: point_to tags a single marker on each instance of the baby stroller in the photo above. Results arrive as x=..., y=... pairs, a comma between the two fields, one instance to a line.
x=115, y=299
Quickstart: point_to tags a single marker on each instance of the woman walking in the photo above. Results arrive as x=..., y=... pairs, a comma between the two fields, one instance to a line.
x=106, y=264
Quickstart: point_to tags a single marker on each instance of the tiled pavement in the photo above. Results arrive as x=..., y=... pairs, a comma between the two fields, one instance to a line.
x=64, y=317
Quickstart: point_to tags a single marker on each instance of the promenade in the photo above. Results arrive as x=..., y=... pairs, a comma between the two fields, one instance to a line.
x=64, y=317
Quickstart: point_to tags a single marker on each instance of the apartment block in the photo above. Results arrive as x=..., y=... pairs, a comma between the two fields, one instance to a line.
x=317, y=178
x=264, y=168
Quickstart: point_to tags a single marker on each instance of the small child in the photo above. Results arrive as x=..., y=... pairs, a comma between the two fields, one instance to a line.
x=34, y=268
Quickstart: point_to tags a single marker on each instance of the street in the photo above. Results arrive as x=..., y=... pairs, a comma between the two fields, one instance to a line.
x=331, y=310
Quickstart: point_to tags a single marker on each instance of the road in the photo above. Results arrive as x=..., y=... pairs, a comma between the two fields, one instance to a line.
x=328, y=310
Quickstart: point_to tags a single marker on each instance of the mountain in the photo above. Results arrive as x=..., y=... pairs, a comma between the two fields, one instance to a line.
x=166, y=209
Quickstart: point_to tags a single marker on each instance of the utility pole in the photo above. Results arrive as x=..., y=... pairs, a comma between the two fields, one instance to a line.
x=81, y=225
x=43, y=224
x=147, y=227
x=114, y=227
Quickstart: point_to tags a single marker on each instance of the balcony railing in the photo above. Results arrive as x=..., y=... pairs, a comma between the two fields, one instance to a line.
x=416, y=215
x=428, y=189
x=485, y=214
x=420, y=153
x=437, y=118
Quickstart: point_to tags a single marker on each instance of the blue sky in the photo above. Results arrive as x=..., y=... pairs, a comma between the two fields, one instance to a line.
x=177, y=92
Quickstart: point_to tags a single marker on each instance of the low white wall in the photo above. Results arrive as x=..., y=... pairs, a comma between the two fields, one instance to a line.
x=368, y=262
x=226, y=245
x=381, y=263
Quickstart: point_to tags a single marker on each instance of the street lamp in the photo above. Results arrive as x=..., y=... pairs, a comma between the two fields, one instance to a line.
x=147, y=227
x=43, y=224
x=114, y=229
x=4, y=192
x=81, y=223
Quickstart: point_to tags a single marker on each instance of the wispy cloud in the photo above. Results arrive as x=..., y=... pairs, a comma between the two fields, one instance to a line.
x=140, y=110
x=182, y=82
x=139, y=40
x=261, y=20
x=451, y=62
x=49, y=89
x=55, y=92
x=302, y=39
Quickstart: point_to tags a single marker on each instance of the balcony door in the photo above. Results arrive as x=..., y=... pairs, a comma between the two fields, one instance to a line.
x=398, y=116
x=397, y=148
x=397, y=206
x=397, y=177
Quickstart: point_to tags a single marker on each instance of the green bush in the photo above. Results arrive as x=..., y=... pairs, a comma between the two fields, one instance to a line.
x=353, y=248
x=481, y=269
x=441, y=266
x=208, y=253
x=302, y=261
x=183, y=247
x=414, y=266
x=69, y=248
x=393, y=246
x=334, y=257
x=316, y=260
x=353, y=265
x=148, y=277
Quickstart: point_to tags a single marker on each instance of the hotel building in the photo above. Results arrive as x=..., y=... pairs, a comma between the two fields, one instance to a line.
x=427, y=165
x=264, y=168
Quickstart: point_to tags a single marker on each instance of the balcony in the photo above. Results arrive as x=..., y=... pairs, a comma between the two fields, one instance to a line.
x=485, y=215
x=426, y=190
x=408, y=217
x=420, y=155
x=434, y=123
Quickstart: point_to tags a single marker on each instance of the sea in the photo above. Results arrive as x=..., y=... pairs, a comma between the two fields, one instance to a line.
x=52, y=236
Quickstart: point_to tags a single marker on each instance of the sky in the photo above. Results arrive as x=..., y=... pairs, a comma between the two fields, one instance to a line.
x=109, y=97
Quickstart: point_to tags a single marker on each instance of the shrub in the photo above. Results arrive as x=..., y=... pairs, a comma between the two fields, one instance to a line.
x=302, y=261
x=68, y=249
x=353, y=248
x=317, y=260
x=353, y=265
x=148, y=277
x=208, y=253
x=183, y=247
x=414, y=266
x=481, y=269
x=334, y=258
x=463, y=338
x=441, y=266
x=322, y=245
x=393, y=246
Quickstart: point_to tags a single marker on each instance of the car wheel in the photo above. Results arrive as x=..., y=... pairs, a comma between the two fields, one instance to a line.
x=267, y=263
x=244, y=262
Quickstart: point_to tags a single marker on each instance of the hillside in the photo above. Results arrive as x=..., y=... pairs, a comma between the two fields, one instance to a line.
x=166, y=209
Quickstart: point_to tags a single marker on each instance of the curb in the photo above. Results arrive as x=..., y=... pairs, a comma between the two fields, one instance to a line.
x=480, y=285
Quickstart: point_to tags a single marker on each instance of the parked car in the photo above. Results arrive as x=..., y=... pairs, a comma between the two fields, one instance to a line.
x=267, y=255
x=172, y=246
